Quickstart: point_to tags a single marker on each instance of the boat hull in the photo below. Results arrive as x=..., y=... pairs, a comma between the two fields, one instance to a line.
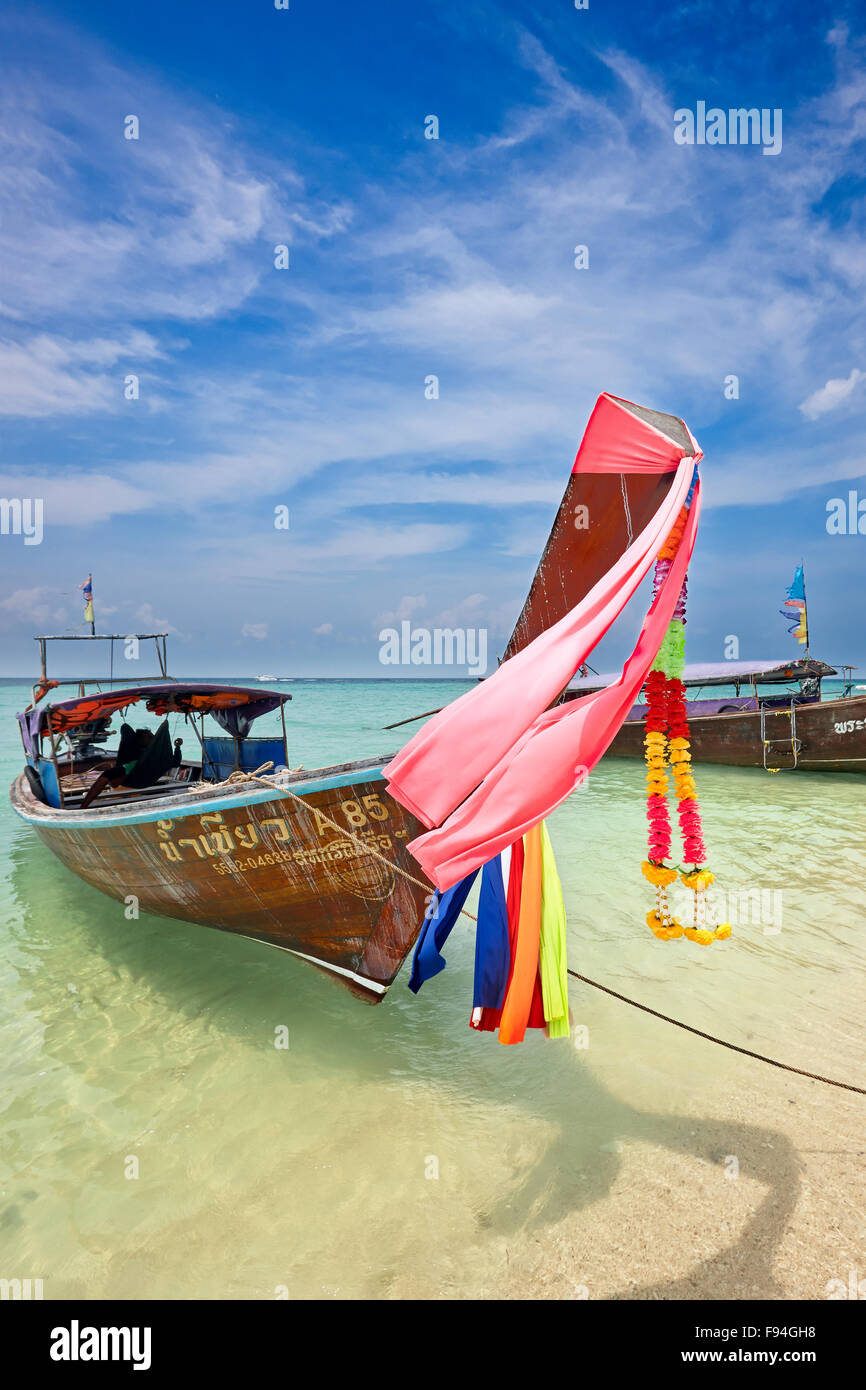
x=601, y=511
x=263, y=865
x=830, y=736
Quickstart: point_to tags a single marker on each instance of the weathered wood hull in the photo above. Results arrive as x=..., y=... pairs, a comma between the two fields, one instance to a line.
x=829, y=736
x=599, y=515
x=263, y=866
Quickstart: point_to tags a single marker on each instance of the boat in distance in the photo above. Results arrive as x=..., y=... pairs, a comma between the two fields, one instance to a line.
x=778, y=730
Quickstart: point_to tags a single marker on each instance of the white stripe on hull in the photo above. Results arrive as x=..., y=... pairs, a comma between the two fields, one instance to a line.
x=372, y=985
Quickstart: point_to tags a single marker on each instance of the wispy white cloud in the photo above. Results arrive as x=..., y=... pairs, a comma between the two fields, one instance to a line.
x=308, y=387
x=361, y=546
x=832, y=394
x=34, y=606
x=409, y=604
x=145, y=615
x=77, y=498
x=184, y=218
x=479, y=290
x=48, y=375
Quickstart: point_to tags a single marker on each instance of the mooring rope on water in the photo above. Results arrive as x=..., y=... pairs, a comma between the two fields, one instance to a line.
x=734, y=1047
x=239, y=778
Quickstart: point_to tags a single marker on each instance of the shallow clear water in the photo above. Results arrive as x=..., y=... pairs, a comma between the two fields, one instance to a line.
x=560, y=1167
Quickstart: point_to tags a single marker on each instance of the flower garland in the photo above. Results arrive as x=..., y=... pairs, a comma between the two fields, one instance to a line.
x=667, y=744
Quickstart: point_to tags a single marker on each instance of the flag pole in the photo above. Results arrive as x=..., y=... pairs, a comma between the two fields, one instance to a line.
x=805, y=607
x=87, y=586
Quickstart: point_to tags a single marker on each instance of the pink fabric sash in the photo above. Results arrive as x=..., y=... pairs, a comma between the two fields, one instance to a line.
x=617, y=441
x=456, y=749
x=555, y=752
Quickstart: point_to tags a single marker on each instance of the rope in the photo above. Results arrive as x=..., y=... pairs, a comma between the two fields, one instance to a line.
x=237, y=778
x=733, y=1047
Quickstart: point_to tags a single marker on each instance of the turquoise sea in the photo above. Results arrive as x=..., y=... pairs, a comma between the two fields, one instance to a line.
x=155, y=1143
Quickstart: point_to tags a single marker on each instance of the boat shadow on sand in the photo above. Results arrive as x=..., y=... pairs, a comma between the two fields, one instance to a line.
x=239, y=987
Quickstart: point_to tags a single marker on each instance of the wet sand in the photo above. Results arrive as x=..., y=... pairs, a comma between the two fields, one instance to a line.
x=392, y=1152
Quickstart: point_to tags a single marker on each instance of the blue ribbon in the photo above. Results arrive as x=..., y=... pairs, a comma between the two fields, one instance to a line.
x=438, y=921
x=492, y=945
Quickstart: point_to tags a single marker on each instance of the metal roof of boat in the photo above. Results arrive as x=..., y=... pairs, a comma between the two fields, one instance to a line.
x=186, y=697
x=725, y=673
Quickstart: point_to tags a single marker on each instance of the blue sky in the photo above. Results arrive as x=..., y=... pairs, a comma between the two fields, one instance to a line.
x=410, y=257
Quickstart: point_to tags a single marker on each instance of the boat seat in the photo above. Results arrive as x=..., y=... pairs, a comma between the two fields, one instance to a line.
x=125, y=795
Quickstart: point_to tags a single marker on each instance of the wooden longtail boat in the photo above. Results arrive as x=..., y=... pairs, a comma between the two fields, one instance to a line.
x=791, y=730
x=287, y=865
x=316, y=864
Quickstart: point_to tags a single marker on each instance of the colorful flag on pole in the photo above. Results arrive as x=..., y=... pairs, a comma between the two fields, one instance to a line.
x=87, y=586
x=795, y=608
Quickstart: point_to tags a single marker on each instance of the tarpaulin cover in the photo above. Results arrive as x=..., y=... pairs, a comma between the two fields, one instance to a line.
x=727, y=673
x=233, y=707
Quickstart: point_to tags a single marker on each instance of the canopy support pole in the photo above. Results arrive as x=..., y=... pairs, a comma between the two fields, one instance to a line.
x=189, y=718
x=285, y=742
x=54, y=759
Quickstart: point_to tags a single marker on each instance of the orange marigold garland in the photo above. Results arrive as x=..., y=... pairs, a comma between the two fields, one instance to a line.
x=667, y=746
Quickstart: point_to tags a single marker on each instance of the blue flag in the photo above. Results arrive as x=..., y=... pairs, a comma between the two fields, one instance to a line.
x=795, y=607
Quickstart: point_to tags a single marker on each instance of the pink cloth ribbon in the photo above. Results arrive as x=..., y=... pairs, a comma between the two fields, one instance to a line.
x=456, y=749
x=616, y=440
x=553, y=754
